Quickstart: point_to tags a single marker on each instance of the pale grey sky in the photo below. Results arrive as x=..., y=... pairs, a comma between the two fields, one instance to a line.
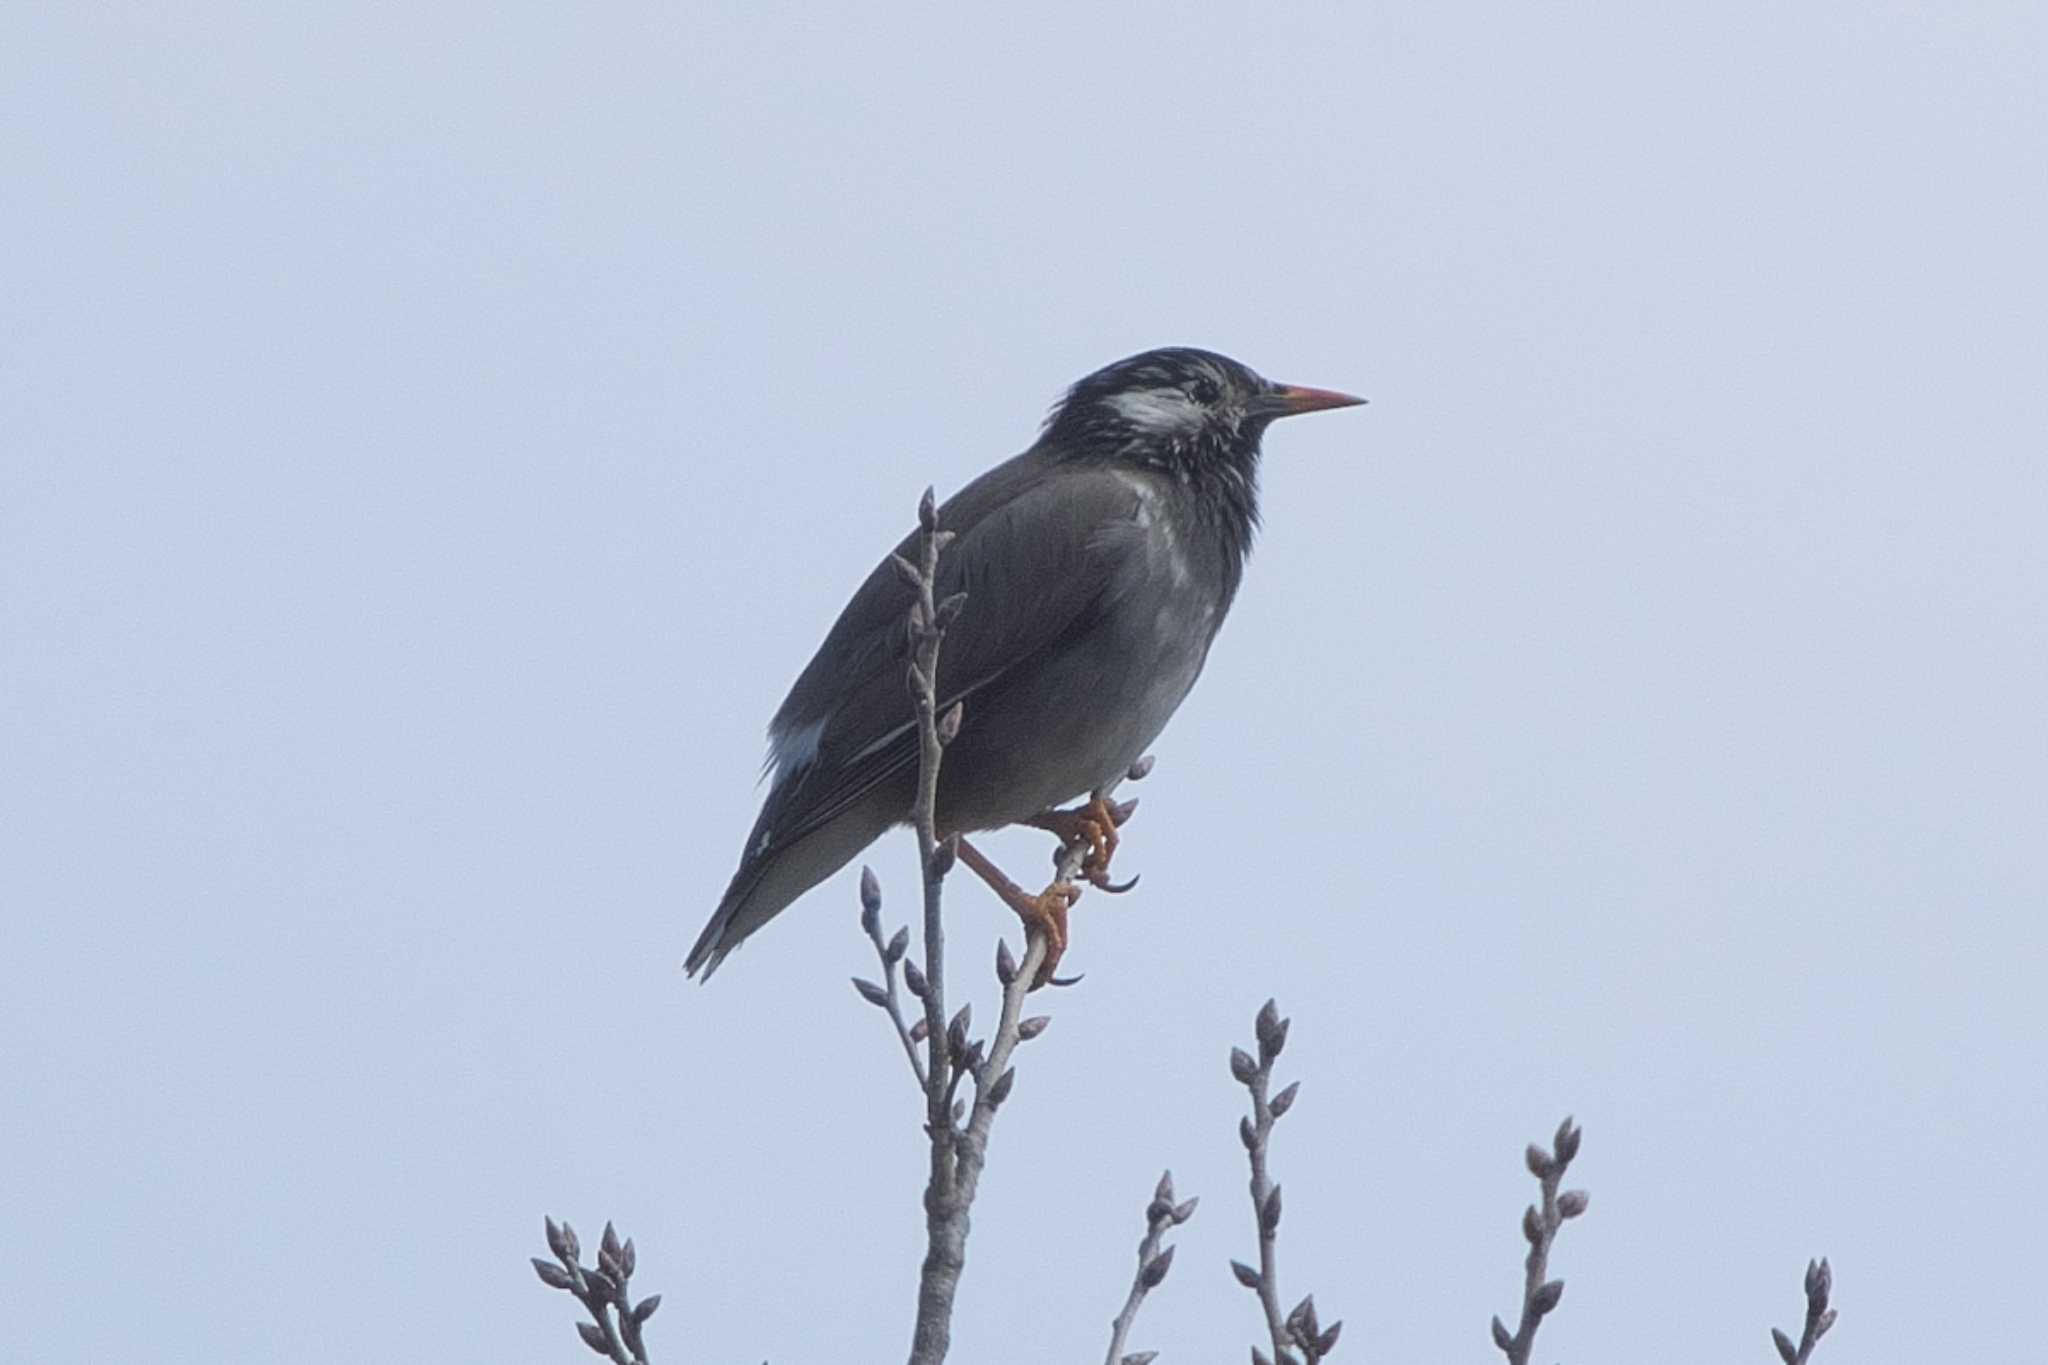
x=435, y=436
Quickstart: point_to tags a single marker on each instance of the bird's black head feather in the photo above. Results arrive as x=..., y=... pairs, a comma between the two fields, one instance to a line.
x=1186, y=412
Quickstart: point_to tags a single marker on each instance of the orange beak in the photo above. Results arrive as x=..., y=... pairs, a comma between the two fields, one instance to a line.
x=1287, y=400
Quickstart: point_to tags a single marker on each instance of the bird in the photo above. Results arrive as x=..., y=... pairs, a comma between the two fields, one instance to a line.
x=1098, y=566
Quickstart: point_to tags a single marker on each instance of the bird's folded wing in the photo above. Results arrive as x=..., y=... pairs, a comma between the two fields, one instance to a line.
x=1035, y=555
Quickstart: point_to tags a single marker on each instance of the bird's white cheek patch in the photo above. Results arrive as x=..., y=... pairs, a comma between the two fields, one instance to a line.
x=1157, y=410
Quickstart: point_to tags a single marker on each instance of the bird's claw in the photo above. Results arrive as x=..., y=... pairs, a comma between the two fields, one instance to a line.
x=1046, y=914
x=1095, y=824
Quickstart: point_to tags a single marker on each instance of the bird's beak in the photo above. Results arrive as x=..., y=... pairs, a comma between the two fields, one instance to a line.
x=1286, y=400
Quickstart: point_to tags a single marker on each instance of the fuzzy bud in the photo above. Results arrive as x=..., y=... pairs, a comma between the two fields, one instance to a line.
x=1269, y=1213
x=562, y=1240
x=944, y=856
x=870, y=903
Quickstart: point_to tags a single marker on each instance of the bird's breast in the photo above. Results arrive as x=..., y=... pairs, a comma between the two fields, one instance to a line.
x=1170, y=603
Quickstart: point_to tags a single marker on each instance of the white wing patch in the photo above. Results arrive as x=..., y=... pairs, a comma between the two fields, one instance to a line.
x=793, y=750
x=789, y=753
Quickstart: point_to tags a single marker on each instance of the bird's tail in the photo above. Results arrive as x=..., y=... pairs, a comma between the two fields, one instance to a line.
x=766, y=883
x=721, y=934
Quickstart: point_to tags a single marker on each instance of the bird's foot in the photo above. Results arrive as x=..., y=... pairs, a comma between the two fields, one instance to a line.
x=1044, y=914
x=1094, y=824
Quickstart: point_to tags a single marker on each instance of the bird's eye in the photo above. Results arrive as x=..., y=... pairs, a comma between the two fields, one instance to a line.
x=1204, y=391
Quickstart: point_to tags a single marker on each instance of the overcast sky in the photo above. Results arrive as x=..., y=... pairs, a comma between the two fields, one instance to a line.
x=432, y=438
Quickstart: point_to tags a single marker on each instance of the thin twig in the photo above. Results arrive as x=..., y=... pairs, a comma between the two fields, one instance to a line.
x=989, y=1067
x=1298, y=1330
x=1540, y=1223
x=614, y=1328
x=890, y=953
x=1153, y=1263
x=992, y=1080
x=945, y=1219
x=1820, y=1283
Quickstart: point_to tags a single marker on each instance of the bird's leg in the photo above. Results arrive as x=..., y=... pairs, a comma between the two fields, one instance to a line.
x=1045, y=912
x=1094, y=824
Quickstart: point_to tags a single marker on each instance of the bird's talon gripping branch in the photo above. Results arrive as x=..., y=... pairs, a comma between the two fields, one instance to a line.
x=1044, y=914
x=1094, y=824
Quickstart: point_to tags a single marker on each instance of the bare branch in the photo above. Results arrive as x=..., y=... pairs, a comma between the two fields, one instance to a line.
x=1820, y=1283
x=1153, y=1263
x=614, y=1328
x=1540, y=1224
x=989, y=1067
x=1298, y=1334
x=945, y=1214
x=890, y=953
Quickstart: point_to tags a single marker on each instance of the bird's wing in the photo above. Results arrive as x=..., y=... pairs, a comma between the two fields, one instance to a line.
x=1035, y=557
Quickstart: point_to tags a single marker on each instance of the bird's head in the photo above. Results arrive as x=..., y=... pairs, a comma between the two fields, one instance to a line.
x=1193, y=413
